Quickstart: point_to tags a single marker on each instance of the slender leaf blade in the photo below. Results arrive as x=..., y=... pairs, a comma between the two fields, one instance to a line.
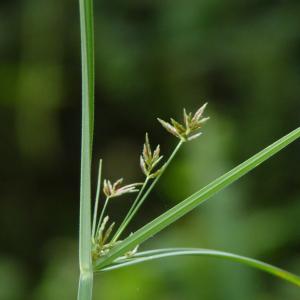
x=172, y=252
x=194, y=200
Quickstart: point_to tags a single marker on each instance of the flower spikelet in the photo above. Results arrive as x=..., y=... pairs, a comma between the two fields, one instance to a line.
x=149, y=160
x=115, y=190
x=100, y=246
x=189, y=130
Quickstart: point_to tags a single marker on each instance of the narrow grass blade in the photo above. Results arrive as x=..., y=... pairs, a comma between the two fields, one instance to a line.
x=171, y=252
x=194, y=200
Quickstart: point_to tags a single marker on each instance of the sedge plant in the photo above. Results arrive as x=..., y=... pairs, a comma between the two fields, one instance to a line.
x=103, y=245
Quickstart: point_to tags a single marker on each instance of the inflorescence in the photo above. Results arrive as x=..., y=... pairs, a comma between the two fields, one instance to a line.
x=102, y=242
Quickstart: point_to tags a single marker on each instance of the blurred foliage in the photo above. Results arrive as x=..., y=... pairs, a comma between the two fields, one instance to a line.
x=152, y=59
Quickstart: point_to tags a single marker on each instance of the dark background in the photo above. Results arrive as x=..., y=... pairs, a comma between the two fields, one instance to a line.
x=152, y=59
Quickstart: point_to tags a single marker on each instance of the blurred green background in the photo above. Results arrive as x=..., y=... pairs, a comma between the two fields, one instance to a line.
x=152, y=59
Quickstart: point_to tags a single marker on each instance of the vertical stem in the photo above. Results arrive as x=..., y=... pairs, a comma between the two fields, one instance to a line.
x=87, y=60
x=85, y=287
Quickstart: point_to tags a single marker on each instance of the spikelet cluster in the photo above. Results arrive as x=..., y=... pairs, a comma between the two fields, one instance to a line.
x=189, y=130
x=115, y=190
x=149, y=160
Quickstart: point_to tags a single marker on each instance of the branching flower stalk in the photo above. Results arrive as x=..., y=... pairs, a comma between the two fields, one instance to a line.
x=128, y=216
x=140, y=201
x=100, y=240
x=148, y=161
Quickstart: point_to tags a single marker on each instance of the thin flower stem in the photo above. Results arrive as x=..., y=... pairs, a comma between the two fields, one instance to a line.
x=97, y=200
x=102, y=213
x=120, y=229
x=137, y=198
x=126, y=222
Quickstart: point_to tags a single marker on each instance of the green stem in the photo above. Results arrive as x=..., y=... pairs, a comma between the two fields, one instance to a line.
x=137, y=198
x=102, y=213
x=126, y=222
x=97, y=200
x=121, y=228
x=87, y=60
x=85, y=288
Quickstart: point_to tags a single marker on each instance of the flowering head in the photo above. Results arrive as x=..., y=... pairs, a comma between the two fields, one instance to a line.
x=149, y=160
x=115, y=190
x=192, y=123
